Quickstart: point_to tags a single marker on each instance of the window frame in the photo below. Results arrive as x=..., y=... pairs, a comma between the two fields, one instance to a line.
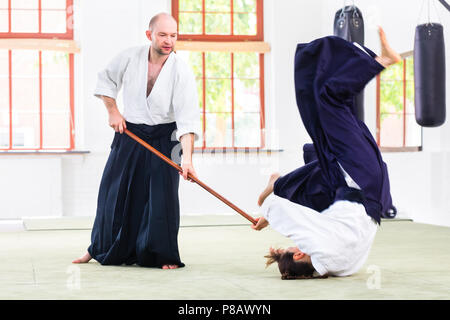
x=404, y=147
x=231, y=38
x=39, y=35
x=213, y=37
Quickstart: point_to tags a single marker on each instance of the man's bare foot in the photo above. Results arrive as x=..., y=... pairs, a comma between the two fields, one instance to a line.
x=388, y=55
x=84, y=259
x=269, y=189
x=169, y=266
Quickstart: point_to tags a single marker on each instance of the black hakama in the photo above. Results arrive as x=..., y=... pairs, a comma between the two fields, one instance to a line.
x=138, y=214
x=329, y=73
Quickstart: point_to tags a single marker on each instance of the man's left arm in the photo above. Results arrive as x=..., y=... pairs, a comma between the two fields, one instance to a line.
x=187, y=117
x=187, y=144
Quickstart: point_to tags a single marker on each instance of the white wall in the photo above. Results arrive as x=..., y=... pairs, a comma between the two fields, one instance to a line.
x=30, y=186
x=419, y=180
x=67, y=185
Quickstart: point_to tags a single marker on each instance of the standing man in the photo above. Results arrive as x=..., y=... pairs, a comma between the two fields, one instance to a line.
x=137, y=218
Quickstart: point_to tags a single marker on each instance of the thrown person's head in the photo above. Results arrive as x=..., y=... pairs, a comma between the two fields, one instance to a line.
x=292, y=263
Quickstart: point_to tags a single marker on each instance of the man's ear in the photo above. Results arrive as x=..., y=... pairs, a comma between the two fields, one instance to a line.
x=298, y=255
x=148, y=33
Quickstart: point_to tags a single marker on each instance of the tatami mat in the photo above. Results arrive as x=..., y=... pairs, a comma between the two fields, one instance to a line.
x=408, y=261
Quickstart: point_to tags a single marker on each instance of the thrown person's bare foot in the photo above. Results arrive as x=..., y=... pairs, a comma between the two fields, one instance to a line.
x=269, y=189
x=388, y=55
x=84, y=259
x=169, y=266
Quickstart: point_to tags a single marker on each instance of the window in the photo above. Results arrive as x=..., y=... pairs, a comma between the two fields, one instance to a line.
x=36, y=78
x=230, y=75
x=396, y=122
x=219, y=19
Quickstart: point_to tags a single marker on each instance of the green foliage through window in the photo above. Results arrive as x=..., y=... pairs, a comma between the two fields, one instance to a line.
x=228, y=84
x=397, y=116
x=222, y=17
x=230, y=80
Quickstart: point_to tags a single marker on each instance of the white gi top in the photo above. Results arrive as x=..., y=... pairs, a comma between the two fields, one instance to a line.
x=338, y=239
x=173, y=97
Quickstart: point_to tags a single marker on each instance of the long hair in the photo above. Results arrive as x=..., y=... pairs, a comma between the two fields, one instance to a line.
x=289, y=268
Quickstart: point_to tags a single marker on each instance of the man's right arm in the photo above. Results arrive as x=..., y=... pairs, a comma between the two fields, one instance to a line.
x=115, y=118
x=109, y=83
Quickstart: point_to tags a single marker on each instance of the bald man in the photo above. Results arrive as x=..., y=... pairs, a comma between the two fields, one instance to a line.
x=137, y=217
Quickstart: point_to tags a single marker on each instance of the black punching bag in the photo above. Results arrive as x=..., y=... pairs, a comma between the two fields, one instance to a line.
x=429, y=75
x=349, y=25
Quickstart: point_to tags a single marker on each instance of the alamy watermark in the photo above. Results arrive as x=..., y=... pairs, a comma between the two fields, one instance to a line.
x=73, y=281
x=374, y=280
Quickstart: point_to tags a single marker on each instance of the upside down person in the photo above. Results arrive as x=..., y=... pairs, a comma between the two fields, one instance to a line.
x=330, y=207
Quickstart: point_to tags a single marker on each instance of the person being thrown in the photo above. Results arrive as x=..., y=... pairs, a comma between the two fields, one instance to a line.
x=330, y=207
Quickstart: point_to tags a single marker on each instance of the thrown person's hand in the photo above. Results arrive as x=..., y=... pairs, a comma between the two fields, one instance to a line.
x=188, y=169
x=261, y=223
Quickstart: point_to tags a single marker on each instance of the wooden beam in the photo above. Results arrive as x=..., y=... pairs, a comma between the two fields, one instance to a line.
x=222, y=46
x=400, y=149
x=69, y=46
x=407, y=54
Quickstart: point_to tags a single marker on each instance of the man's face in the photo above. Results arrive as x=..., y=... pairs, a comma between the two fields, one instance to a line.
x=163, y=35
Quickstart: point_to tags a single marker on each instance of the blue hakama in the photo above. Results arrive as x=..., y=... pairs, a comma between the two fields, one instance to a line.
x=329, y=73
x=138, y=214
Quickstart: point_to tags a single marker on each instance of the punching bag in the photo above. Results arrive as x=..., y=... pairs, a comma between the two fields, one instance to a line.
x=349, y=25
x=429, y=75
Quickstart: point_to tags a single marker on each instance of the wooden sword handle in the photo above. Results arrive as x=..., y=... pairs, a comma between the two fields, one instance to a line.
x=201, y=184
